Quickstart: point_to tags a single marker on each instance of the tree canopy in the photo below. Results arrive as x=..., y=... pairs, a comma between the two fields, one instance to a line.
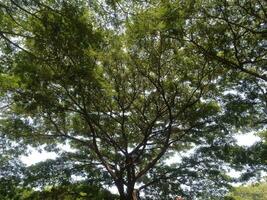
x=251, y=192
x=128, y=85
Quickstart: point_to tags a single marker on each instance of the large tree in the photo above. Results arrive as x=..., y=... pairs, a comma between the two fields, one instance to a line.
x=128, y=88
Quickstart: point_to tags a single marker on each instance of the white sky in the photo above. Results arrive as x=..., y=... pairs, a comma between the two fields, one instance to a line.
x=36, y=156
x=247, y=139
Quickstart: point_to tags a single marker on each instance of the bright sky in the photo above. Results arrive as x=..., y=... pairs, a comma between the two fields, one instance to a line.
x=247, y=139
x=36, y=156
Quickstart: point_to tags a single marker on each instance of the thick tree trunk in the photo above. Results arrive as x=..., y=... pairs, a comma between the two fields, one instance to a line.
x=131, y=194
x=135, y=195
x=120, y=188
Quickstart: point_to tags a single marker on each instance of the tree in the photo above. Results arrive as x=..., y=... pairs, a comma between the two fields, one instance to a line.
x=11, y=168
x=74, y=191
x=252, y=192
x=127, y=91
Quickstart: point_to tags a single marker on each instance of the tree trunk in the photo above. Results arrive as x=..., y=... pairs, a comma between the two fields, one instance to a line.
x=135, y=195
x=120, y=188
x=131, y=194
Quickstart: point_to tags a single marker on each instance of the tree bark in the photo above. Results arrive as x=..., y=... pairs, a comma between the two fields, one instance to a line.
x=132, y=194
x=135, y=195
x=120, y=188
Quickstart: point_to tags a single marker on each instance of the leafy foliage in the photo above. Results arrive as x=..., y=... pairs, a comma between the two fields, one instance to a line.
x=127, y=89
x=251, y=192
x=75, y=191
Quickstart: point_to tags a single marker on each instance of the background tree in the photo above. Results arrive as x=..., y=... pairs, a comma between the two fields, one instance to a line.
x=75, y=191
x=257, y=192
x=11, y=168
x=126, y=90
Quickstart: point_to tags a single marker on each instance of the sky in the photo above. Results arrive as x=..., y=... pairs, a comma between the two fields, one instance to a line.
x=37, y=156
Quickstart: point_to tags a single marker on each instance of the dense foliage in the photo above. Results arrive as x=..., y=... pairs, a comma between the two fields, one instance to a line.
x=129, y=84
x=74, y=191
x=252, y=192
